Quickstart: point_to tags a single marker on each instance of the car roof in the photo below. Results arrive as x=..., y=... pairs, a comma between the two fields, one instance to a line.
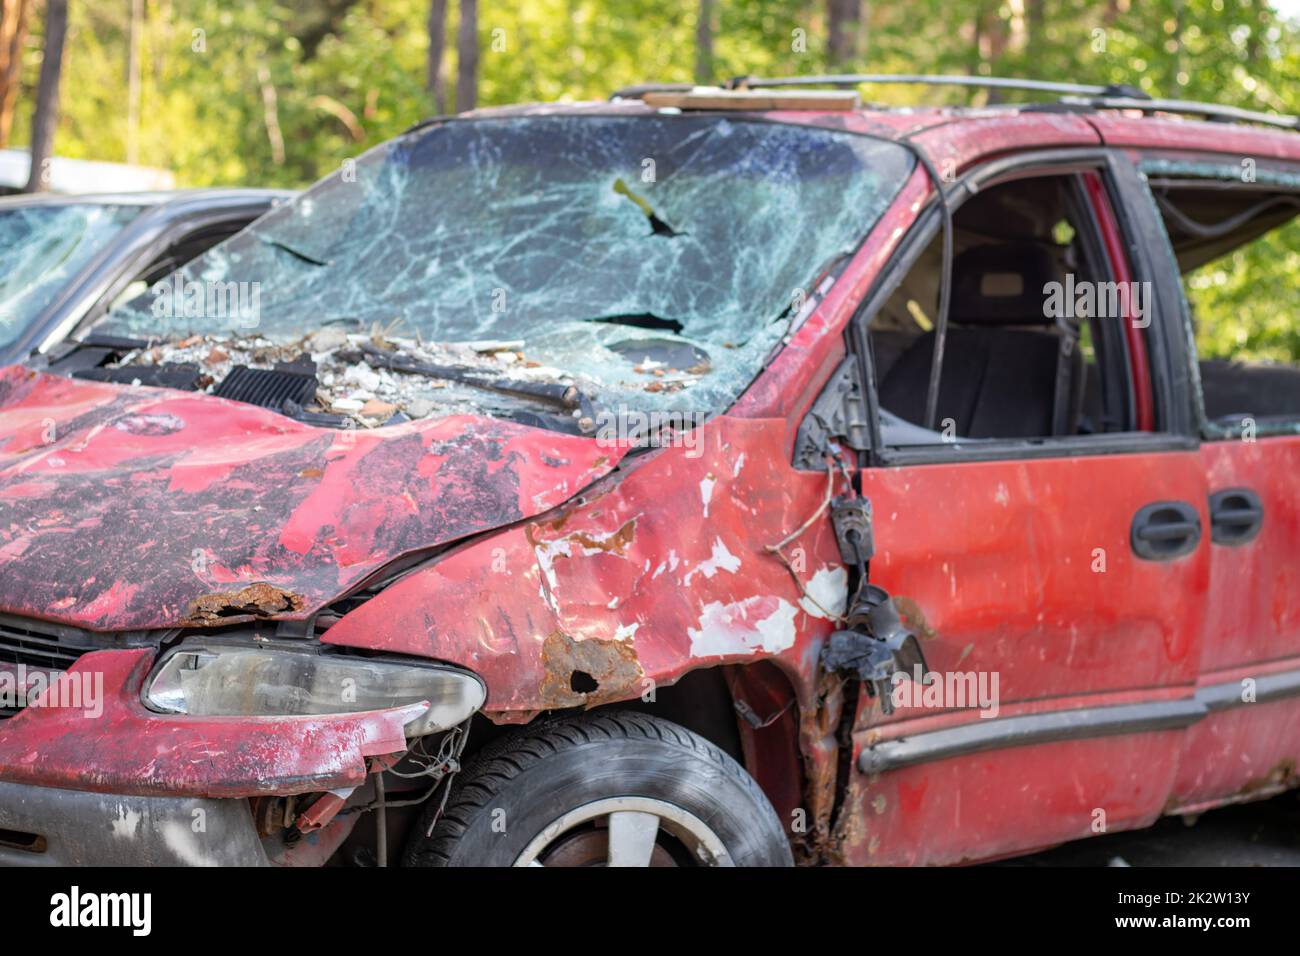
x=959, y=135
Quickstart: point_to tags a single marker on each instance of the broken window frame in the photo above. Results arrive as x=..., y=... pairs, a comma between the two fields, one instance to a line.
x=1209, y=167
x=1166, y=343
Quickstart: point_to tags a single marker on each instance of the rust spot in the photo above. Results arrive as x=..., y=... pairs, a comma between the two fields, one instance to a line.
x=914, y=618
x=573, y=667
x=851, y=827
x=616, y=543
x=310, y=473
x=255, y=600
x=1282, y=776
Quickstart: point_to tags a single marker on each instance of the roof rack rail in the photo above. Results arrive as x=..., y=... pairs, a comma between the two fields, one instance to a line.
x=928, y=79
x=1116, y=96
x=640, y=89
x=1210, y=111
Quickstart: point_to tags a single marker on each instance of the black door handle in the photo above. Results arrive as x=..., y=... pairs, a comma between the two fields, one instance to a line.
x=1236, y=515
x=1165, y=530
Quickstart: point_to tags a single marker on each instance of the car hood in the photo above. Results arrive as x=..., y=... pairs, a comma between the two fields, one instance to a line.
x=125, y=508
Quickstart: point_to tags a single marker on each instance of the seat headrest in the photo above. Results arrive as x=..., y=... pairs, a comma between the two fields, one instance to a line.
x=1002, y=284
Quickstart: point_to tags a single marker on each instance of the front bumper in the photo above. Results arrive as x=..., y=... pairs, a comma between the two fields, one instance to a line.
x=44, y=826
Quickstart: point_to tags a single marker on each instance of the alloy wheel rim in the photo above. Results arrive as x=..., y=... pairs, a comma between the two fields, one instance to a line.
x=638, y=831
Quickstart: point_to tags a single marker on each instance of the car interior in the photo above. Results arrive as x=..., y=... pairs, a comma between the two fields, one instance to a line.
x=1013, y=366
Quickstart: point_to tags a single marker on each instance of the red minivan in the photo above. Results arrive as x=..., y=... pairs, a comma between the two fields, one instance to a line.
x=704, y=477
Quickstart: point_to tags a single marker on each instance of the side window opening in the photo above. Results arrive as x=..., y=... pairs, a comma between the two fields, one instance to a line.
x=1028, y=355
x=1238, y=249
x=177, y=254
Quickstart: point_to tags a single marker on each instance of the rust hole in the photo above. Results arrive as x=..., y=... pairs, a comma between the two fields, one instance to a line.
x=21, y=840
x=587, y=672
x=255, y=600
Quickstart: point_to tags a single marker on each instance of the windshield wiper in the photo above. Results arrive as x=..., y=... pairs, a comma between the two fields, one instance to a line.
x=118, y=343
x=569, y=398
x=90, y=351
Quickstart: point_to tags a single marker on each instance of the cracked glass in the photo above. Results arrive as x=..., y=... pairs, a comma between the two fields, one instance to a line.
x=42, y=247
x=610, y=248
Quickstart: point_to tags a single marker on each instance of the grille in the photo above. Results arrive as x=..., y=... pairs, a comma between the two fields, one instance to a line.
x=38, y=644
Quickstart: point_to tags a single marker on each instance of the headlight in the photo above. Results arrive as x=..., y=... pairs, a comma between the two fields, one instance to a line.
x=221, y=680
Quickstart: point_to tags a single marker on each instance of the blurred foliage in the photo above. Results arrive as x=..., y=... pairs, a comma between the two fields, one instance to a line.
x=1245, y=304
x=347, y=74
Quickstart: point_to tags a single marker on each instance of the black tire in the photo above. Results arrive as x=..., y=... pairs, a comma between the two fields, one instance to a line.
x=531, y=778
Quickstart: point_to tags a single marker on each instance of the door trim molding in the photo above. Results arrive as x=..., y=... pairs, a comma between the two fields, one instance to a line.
x=1270, y=687
x=1075, y=724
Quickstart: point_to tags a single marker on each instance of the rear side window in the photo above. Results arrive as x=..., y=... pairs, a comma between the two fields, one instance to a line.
x=1235, y=233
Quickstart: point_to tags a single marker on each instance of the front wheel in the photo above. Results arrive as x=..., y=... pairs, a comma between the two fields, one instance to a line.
x=615, y=788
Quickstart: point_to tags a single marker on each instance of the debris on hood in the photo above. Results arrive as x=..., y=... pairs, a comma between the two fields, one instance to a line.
x=350, y=382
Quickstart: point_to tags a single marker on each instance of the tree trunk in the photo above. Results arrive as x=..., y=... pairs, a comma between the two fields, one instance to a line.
x=467, y=57
x=1036, y=29
x=13, y=34
x=434, y=82
x=843, y=18
x=704, y=43
x=45, y=118
x=271, y=114
x=133, y=82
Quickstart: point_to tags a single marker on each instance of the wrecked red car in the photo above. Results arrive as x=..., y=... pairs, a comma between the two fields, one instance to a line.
x=728, y=477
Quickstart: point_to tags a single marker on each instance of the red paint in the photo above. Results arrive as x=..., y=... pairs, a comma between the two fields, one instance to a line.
x=566, y=555
x=1235, y=140
x=220, y=493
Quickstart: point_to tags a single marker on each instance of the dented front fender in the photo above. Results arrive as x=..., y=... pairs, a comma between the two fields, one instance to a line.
x=655, y=571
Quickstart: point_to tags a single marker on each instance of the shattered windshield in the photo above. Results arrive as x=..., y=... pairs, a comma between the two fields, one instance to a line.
x=655, y=261
x=42, y=248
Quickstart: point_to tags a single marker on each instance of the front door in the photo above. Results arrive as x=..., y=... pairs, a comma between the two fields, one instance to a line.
x=1040, y=520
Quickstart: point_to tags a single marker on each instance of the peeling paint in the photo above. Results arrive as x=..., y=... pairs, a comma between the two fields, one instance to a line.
x=706, y=491
x=828, y=590
x=755, y=624
x=719, y=560
x=152, y=526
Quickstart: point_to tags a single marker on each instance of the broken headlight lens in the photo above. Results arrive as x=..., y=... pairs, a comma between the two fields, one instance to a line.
x=216, y=680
